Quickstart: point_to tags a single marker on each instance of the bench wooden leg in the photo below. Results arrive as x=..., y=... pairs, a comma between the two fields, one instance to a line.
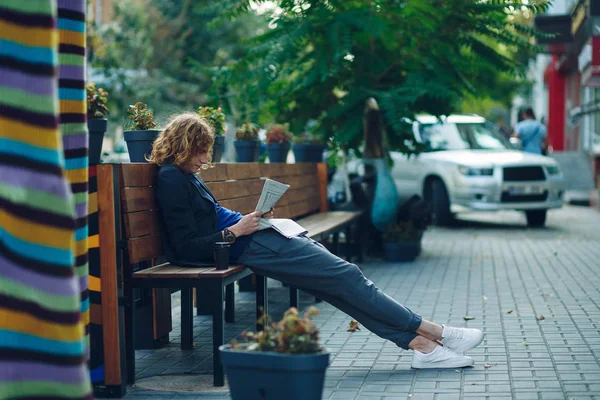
x=230, y=303
x=202, y=306
x=261, y=299
x=348, y=232
x=187, y=315
x=129, y=334
x=336, y=243
x=218, y=335
x=294, y=297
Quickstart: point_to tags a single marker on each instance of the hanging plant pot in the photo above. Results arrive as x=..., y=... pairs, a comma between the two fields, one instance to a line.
x=139, y=143
x=218, y=148
x=278, y=152
x=256, y=375
x=246, y=150
x=97, y=129
x=308, y=152
x=398, y=252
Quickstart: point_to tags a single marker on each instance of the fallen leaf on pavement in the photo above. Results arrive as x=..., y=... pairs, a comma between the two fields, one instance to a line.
x=486, y=366
x=509, y=311
x=353, y=326
x=468, y=318
x=540, y=318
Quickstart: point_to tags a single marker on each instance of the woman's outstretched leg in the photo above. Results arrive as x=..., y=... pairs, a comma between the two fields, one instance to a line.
x=307, y=265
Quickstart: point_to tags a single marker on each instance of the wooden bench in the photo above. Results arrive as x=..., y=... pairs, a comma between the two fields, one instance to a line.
x=128, y=189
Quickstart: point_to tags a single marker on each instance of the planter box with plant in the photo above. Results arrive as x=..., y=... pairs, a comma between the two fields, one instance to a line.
x=247, y=144
x=401, y=241
x=140, y=133
x=278, y=142
x=217, y=120
x=284, y=361
x=96, y=120
x=308, y=148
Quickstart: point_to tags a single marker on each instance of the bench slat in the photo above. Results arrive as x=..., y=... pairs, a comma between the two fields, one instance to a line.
x=234, y=189
x=144, y=248
x=141, y=223
x=138, y=199
x=176, y=272
x=137, y=174
x=325, y=223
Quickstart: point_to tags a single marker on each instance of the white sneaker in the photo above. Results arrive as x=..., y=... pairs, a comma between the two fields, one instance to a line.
x=441, y=357
x=461, y=340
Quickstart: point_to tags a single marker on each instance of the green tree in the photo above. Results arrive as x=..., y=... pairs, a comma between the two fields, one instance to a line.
x=322, y=60
x=161, y=52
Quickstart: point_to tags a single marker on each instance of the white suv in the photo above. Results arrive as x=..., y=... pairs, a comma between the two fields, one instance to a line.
x=468, y=165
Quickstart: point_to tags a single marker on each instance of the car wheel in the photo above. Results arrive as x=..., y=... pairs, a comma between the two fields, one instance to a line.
x=536, y=218
x=440, y=203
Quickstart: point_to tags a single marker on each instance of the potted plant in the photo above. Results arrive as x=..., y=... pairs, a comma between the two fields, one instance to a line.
x=278, y=142
x=308, y=148
x=284, y=361
x=140, y=133
x=217, y=119
x=247, y=144
x=401, y=241
x=96, y=120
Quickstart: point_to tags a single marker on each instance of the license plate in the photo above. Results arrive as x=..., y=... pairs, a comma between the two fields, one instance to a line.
x=525, y=190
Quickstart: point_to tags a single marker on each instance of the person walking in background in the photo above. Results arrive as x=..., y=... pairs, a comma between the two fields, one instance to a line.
x=531, y=133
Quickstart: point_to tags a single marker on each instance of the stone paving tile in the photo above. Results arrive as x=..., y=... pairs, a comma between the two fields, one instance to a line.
x=502, y=273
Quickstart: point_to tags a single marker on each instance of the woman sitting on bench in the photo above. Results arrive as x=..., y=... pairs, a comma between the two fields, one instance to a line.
x=194, y=221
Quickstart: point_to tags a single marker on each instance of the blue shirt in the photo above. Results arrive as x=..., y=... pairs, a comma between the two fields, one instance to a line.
x=225, y=219
x=532, y=134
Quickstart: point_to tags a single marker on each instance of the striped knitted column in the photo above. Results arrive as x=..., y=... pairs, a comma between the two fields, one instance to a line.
x=73, y=127
x=42, y=348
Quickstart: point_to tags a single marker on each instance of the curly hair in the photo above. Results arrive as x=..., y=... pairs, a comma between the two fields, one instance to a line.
x=186, y=135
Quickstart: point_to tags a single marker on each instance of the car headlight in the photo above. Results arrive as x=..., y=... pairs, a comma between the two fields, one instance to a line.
x=469, y=171
x=553, y=169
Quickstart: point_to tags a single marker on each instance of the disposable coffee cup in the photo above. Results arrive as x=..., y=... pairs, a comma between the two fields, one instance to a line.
x=221, y=252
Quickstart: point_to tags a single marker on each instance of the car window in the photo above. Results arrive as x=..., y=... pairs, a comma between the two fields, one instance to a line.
x=484, y=137
x=443, y=137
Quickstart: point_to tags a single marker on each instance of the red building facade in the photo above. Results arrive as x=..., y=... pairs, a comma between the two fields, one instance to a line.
x=573, y=80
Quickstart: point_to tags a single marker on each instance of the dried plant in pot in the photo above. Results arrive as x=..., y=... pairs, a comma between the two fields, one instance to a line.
x=247, y=145
x=402, y=241
x=279, y=142
x=216, y=118
x=284, y=361
x=96, y=120
x=308, y=147
x=140, y=132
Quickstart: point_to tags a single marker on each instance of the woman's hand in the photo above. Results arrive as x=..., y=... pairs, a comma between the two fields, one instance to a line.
x=247, y=225
x=269, y=214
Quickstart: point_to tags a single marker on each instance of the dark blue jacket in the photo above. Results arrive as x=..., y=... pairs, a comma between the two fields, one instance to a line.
x=188, y=216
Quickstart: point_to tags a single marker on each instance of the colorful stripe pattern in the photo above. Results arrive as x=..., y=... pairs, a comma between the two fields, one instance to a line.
x=42, y=345
x=73, y=128
x=96, y=360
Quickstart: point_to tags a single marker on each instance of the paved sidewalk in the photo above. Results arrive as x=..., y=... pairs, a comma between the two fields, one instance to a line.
x=535, y=294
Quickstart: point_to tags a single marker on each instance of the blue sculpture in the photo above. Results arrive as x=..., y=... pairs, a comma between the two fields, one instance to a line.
x=386, y=200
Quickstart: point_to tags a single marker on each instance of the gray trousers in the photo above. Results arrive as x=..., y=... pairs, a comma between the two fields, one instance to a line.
x=309, y=266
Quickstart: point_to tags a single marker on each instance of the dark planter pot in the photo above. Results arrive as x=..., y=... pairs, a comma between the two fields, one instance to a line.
x=308, y=152
x=97, y=129
x=218, y=148
x=278, y=152
x=246, y=150
x=398, y=252
x=139, y=144
x=259, y=376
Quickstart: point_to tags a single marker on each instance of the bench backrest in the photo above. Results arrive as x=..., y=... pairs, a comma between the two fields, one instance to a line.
x=236, y=186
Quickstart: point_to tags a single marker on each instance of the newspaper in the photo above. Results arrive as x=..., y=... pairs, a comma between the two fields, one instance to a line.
x=271, y=193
